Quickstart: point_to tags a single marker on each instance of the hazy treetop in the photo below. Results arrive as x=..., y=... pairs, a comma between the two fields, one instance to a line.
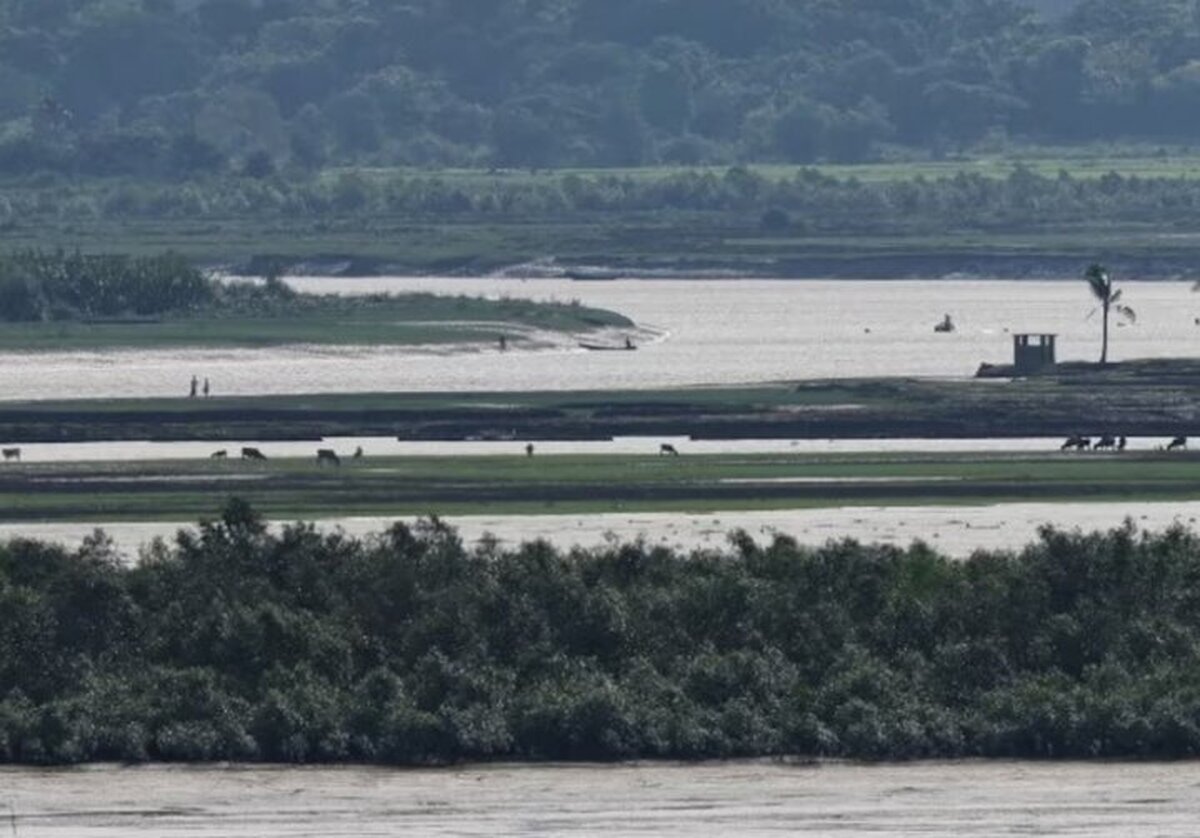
x=104, y=86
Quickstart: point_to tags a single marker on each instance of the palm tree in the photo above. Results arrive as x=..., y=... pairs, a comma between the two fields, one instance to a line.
x=1102, y=289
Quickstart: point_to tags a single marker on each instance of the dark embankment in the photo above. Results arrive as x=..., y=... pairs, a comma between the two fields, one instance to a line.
x=1135, y=398
x=409, y=648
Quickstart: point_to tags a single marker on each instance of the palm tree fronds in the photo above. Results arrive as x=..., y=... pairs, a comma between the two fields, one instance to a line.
x=1098, y=281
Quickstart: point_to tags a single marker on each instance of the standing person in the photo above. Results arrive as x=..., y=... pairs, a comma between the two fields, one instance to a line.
x=206, y=387
x=192, y=392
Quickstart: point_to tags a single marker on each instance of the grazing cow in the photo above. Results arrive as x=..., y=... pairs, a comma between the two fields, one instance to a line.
x=328, y=455
x=219, y=455
x=668, y=448
x=1105, y=441
x=1078, y=442
x=253, y=454
x=1177, y=443
x=12, y=454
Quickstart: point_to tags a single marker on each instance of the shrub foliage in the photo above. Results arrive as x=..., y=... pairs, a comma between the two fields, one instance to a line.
x=409, y=648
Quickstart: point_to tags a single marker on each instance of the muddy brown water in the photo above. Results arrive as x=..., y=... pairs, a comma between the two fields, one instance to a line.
x=1101, y=800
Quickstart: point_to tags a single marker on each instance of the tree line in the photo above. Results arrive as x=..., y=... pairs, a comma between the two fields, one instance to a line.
x=805, y=201
x=49, y=285
x=234, y=642
x=182, y=88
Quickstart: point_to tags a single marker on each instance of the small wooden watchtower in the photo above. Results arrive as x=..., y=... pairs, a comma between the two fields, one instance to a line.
x=1032, y=353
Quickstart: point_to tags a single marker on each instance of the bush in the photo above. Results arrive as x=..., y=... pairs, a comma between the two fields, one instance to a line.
x=410, y=648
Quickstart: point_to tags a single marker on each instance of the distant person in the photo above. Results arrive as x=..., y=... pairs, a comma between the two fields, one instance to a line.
x=529, y=449
x=206, y=387
x=503, y=343
x=195, y=384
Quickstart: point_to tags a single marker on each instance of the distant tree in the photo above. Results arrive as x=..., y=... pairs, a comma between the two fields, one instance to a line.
x=188, y=155
x=1101, y=285
x=258, y=164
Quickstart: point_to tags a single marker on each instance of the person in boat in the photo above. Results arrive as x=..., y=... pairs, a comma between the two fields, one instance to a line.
x=947, y=325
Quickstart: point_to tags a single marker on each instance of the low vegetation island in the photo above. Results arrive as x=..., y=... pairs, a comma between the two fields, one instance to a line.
x=58, y=301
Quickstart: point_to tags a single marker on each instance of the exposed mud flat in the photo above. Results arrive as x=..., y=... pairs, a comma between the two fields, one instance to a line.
x=1101, y=800
x=956, y=531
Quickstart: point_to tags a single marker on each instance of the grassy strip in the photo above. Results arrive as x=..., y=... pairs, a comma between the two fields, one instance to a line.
x=578, y=484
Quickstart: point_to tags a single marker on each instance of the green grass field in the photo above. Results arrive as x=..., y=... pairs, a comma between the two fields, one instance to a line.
x=301, y=488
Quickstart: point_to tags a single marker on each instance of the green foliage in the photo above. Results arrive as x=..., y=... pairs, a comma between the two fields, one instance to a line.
x=409, y=648
x=130, y=293
x=36, y=285
x=170, y=88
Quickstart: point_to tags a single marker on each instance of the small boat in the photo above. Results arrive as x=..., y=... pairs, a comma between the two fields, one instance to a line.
x=947, y=325
x=603, y=347
x=583, y=274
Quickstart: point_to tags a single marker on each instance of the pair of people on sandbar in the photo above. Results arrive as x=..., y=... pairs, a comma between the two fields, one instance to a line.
x=195, y=385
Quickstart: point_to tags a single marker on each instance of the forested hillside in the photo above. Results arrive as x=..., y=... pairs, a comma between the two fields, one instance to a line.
x=184, y=87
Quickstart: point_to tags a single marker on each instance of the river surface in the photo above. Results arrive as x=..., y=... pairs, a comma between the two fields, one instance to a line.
x=711, y=332
x=956, y=531
x=936, y=800
x=695, y=332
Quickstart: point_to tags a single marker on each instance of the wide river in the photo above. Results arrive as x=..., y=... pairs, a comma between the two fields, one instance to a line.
x=692, y=332
x=710, y=332
x=935, y=800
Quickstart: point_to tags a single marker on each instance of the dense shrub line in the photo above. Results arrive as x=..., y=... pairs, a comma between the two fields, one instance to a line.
x=807, y=201
x=235, y=643
x=39, y=286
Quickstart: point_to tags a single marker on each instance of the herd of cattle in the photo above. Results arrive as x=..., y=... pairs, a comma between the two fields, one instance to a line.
x=1078, y=442
x=1075, y=442
x=324, y=455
